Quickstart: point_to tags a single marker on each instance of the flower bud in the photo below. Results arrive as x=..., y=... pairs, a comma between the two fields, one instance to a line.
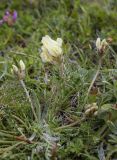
x=15, y=69
x=91, y=110
x=101, y=45
x=22, y=65
x=95, y=113
x=98, y=43
x=14, y=16
x=19, y=72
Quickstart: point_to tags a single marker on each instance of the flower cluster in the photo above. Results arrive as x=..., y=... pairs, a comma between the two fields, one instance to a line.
x=51, y=49
x=19, y=72
x=9, y=18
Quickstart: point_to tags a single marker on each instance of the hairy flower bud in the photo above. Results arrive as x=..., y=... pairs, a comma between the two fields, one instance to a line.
x=15, y=69
x=19, y=72
x=101, y=45
x=91, y=109
x=22, y=65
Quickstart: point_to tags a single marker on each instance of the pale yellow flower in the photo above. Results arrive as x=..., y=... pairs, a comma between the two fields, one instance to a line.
x=51, y=49
x=45, y=56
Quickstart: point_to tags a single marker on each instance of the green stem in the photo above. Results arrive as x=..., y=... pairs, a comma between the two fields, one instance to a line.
x=28, y=96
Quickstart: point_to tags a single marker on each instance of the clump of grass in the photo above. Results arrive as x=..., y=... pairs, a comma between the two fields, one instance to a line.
x=65, y=127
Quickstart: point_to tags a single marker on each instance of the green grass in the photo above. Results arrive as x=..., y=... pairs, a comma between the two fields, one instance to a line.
x=61, y=101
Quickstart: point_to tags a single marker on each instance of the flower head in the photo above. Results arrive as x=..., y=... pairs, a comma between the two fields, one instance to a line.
x=51, y=49
x=9, y=18
x=101, y=45
x=19, y=71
